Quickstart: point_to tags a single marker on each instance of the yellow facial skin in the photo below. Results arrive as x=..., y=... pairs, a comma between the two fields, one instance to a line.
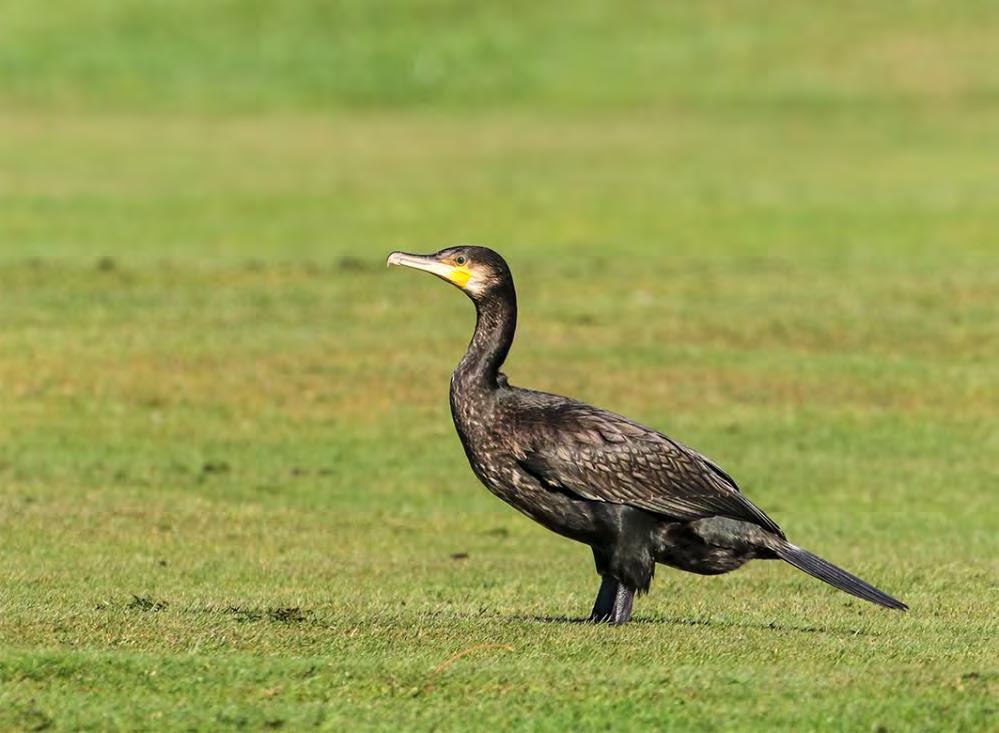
x=460, y=275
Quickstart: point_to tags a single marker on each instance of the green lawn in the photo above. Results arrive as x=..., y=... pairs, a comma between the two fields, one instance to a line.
x=230, y=492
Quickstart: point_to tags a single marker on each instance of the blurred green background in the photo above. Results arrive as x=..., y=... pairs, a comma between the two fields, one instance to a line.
x=230, y=492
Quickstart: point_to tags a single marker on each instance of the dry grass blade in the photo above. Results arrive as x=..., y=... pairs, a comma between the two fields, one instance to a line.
x=464, y=652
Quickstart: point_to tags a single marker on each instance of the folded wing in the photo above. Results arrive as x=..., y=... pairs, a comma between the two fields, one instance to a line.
x=601, y=456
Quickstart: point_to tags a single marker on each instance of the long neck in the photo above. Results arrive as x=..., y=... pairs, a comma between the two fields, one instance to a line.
x=495, y=323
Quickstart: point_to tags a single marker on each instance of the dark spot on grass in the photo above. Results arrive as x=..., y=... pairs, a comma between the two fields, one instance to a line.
x=284, y=615
x=274, y=723
x=162, y=563
x=145, y=603
x=106, y=264
x=214, y=468
x=498, y=532
x=287, y=615
x=459, y=555
x=244, y=615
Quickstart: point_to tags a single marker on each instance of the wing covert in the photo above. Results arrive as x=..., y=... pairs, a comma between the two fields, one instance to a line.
x=601, y=456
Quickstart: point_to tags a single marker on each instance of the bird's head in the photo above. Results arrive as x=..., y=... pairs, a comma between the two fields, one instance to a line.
x=478, y=271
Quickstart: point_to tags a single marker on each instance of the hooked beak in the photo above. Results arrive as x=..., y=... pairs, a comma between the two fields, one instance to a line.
x=429, y=263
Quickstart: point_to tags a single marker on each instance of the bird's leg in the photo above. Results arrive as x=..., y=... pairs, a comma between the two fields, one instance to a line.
x=603, y=607
x=623, y=600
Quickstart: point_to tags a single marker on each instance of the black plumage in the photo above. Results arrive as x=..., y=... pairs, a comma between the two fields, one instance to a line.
x=636, y=496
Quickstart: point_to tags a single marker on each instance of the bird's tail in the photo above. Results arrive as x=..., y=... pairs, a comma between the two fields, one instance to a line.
x=834, y=576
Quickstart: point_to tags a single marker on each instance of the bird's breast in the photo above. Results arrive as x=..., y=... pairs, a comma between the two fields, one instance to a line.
x=489, y=436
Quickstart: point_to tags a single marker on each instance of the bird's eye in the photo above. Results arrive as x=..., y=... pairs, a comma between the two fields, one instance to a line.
x=459, y=260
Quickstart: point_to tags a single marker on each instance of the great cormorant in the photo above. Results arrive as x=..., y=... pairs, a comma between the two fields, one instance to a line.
x=633, y=494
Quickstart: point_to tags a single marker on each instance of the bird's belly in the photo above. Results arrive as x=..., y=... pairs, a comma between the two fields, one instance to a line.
x=679, y=545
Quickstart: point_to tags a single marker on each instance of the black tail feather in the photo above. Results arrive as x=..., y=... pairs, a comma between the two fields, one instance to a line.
x=834, y=576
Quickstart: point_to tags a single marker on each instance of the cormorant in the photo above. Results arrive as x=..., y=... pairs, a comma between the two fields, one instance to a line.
x=634, y=495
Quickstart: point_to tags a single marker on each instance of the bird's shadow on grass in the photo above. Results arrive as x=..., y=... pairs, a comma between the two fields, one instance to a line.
x=710, y=623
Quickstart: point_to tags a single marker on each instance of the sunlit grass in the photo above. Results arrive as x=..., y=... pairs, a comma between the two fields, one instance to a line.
x=230, y=492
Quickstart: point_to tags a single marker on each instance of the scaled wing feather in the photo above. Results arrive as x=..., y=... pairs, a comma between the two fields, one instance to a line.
x=600, y=456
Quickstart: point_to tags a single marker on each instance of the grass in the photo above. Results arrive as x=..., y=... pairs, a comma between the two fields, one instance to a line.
x=230, y=493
